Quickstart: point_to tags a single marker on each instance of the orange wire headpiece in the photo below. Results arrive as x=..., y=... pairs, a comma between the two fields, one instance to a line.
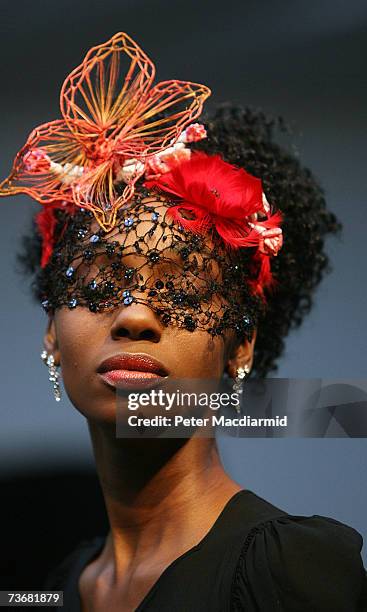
x=111, y=132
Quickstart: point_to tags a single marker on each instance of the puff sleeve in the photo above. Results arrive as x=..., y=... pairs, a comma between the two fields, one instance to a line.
x=300, y=564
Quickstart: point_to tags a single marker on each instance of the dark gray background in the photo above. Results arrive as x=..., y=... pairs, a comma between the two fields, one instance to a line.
x=304, y=60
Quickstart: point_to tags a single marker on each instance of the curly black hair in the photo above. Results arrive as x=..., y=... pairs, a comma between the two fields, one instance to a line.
x=247, y=138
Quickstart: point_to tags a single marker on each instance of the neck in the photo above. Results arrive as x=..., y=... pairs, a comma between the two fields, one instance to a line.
x=158, y=489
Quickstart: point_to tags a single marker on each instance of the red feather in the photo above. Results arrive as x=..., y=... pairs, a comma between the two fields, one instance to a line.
x=220, y=193
x=46, y=223
x=198, y=224
x=264, y=276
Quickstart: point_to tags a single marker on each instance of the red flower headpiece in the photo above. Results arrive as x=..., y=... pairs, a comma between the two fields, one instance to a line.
x=217, y=195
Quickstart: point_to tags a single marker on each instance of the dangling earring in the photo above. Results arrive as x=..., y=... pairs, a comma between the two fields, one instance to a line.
x=53, y=374
x=241, y=374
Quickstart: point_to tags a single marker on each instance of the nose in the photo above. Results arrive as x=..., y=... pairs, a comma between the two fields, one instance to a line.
x=137, y=322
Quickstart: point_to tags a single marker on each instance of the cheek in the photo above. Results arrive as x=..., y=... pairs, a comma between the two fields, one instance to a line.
x=79, y=341
x=73, y=338
x=197, y=355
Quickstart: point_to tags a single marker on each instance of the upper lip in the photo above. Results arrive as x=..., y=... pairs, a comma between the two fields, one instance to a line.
x=140, y=362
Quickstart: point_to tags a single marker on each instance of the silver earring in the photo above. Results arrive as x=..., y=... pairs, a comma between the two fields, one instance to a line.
x=53, y=374
x=241, y=374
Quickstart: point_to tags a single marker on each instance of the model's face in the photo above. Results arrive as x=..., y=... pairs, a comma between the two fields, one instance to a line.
x=82, y=340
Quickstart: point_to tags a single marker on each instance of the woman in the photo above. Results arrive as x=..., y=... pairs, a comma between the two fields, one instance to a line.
x=159, y=256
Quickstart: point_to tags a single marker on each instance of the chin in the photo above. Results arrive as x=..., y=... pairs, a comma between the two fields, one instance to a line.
x=98, y=406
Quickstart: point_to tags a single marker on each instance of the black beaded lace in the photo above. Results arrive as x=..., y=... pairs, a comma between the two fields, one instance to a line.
x=189, y=280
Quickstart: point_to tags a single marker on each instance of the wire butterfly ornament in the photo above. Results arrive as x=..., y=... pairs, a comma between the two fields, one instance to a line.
x=111, y=127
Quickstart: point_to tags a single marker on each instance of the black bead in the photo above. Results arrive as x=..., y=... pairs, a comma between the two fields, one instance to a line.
x=109, y=286
x=185, y=252
x=189, y=323
x=88, y=255
x=110, y=249
x=179, y=297
x=154, y=256
x=129, y=273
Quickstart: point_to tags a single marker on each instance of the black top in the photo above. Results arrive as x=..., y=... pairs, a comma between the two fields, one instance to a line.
x=255, y=557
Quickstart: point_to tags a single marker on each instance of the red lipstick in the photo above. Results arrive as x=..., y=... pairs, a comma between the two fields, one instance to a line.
x=132, y=371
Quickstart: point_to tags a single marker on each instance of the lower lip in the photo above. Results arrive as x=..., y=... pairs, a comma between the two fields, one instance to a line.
x=131, y=379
